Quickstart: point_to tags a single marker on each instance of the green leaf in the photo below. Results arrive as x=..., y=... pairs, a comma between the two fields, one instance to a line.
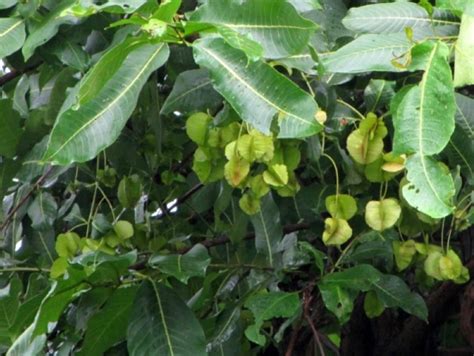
x=464, y=60
x=192, y=264
x=192, y=92
x=383, y=214
x=59, y=296
x=27, y=344
x=48, y=27
x=465, y=114
x=227, y=328
x=268, y=306
x=268, y=229
x=341, y=206
x=256, y=91
x=338, y=300
x=162, y=324
x=392, y=291
x=68, y=244
x=360, y=278
x=396, y=17
x=12, y=35
x=9, y=303
x=79, y=135
x=5, y=4
x=378, y=93
x=424, y=119
x=129, y=191
x=282, y=31
x=373, y=307
x=369, y=53
x=10, y=131
x=252, y=49
x=430, y=188
x=43, y=211
x=109, y=325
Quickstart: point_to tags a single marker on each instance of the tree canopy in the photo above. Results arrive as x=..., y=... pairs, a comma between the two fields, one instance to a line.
x=236, y=177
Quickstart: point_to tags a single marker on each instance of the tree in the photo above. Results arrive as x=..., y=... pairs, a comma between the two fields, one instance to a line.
x=235, y=177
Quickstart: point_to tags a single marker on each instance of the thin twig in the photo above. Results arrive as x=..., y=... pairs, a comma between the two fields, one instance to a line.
x=307, y=301
x=25, y=198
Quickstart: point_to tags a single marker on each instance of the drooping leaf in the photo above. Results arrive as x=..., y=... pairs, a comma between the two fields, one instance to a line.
x=373, y=307
x=430, y=188
x=392, y=291
x=48, y=27
x=268, y=306
x=27, y=344
x=12, y=35
x=256, y=91
x=161, y=323
x=81, y=134
x=360, y=278
x=396, y=17
x=281, y=32
x=464, y=62
x=369, y=53
x=424, y=119
x=268, y=229
x=465, y=114
x=109, y=325
x=192, y=264
x=192, y=92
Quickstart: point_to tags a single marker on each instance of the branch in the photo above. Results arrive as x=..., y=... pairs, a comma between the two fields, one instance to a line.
x=222, y=240
x=25, y=198
x=16, y=73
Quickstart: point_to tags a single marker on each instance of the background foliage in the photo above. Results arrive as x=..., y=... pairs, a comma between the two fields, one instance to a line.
x=236, y=177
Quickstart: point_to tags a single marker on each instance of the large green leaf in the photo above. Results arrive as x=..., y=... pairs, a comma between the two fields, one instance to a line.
x=359, y=278
x=256, y=91
x=182, y=267
x=10, y=131
x=369, y=53
x=9, y=303
x=162, y=324
x=424, y=119
x=109, y=325
x=80, y=134
x=430, y=188
x=464, y=62
x=396, y=17
x=27, y=344
x=268, y=306
x=4, y=4
x=191, y=92
x=274, y=24
x=59, y=296
x=268, y=230
x=47, y=28
x=392, y=291
x=12, y=35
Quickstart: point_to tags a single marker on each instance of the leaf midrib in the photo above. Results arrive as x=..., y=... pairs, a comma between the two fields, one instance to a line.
x=11, y=28
x=236, y=76
x=163, y=319
x=421, y=121
x=117, y=98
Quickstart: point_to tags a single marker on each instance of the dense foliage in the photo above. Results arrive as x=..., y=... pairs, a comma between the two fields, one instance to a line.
x=235, y=177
